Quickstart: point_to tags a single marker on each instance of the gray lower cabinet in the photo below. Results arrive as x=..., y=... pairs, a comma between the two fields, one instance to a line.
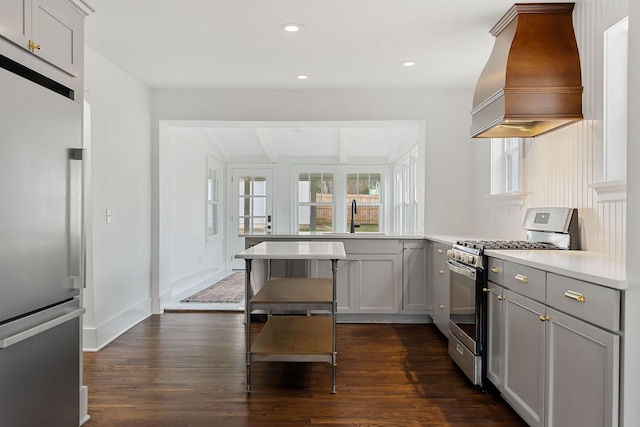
x=554, y=369
x=376, y=283
x=582, y=373
x=495, y=324
x=415, y=296
x=439, y=276
x=524, y=357
x=367, y=283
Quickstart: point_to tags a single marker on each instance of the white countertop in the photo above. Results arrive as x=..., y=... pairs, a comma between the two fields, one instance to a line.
x=294, y=250
x=334, y=236
x=591, y=267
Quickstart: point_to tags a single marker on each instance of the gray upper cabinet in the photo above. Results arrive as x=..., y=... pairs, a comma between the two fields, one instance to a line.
x=56, y=29
x=15, y=16
x=45, y=36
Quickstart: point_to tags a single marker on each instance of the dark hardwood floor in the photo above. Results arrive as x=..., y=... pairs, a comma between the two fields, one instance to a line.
x=188, y=369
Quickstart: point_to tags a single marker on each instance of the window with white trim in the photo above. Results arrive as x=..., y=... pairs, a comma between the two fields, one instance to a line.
x=365, y=189
x=213, y=199
x=316, y=204
x=506, y=165
x=616, y=42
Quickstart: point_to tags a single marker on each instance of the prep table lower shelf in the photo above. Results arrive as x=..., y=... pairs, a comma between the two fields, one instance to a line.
x=295, y=339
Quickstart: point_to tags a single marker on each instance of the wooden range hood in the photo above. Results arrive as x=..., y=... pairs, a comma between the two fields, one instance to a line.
x=532, y=82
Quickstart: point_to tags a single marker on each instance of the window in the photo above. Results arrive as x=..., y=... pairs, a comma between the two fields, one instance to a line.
x=506, y=165
x=364, y=188
x=213, y=198
x=406, y=194
x=315, y=201
x=615, y=101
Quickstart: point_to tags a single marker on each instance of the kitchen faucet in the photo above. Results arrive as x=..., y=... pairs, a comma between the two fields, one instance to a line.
x=354, y=211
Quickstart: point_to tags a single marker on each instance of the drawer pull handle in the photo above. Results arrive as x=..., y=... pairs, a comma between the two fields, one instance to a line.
x=500, y=297
x=523, y=279
x=495, y=270
x=575, y=296
x=459, y=349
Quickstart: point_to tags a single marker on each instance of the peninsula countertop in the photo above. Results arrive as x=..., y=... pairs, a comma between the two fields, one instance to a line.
x=294, y=250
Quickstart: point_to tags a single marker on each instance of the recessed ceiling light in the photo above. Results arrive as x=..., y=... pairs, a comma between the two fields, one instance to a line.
x=291, y=28
x=302, y=76
x=408, y=63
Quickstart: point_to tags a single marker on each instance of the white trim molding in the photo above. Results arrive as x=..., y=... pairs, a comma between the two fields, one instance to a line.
x=515, y=198
x=82, y=6
x=611, y=191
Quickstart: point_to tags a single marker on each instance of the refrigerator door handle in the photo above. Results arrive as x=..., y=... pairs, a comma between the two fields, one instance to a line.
x=6, y=342
x=76, y=190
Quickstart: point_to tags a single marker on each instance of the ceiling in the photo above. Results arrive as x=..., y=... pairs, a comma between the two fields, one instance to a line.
x=239, y=44
x=380, y=142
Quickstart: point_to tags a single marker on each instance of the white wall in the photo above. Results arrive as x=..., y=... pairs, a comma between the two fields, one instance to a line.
x=191, y=257
x=117, y=294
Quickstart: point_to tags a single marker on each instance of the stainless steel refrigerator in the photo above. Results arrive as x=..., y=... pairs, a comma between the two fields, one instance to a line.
x=41, y=254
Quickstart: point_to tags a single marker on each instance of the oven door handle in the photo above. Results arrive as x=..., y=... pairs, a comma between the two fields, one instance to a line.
x=466, y=271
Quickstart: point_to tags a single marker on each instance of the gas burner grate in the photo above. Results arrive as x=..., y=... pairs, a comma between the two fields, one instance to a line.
x=506, y=244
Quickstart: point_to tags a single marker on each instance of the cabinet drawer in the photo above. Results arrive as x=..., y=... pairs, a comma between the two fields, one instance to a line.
x=524, y=280
x=495, y=270
x=592, y=303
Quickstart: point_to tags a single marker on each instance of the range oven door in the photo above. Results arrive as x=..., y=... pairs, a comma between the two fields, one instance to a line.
x=466, y=332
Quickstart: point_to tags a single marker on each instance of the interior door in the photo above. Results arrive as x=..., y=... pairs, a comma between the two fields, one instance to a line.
x=252, y=207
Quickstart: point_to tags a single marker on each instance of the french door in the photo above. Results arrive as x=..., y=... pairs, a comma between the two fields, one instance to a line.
x=251, y=190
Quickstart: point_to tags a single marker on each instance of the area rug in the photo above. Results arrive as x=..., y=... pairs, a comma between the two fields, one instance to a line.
x=228, y=290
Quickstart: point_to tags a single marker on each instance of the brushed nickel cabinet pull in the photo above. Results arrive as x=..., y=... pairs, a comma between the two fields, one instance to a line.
x=523, y=279
x=575, y=296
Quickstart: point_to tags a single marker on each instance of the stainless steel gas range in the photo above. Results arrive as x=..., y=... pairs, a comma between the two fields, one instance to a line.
x=547, y=228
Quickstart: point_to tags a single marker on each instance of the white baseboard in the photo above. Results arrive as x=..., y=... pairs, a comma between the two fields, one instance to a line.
x=84, y=404
x=93, y=339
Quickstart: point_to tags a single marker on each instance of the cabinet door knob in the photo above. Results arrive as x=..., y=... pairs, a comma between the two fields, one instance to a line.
x=523, y=279
x=495, y=270
x=440, y=251
x=486, y=290
x=33, y=47
x=441, y=271
x=441, y=306
x=544, y=318
x=500, y=297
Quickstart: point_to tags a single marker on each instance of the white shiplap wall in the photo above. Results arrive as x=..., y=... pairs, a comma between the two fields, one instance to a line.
x=562, y=166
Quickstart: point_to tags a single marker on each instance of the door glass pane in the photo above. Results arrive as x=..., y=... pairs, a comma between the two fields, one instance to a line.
x=259, y=186
x=252, y=205
x=259, y=206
